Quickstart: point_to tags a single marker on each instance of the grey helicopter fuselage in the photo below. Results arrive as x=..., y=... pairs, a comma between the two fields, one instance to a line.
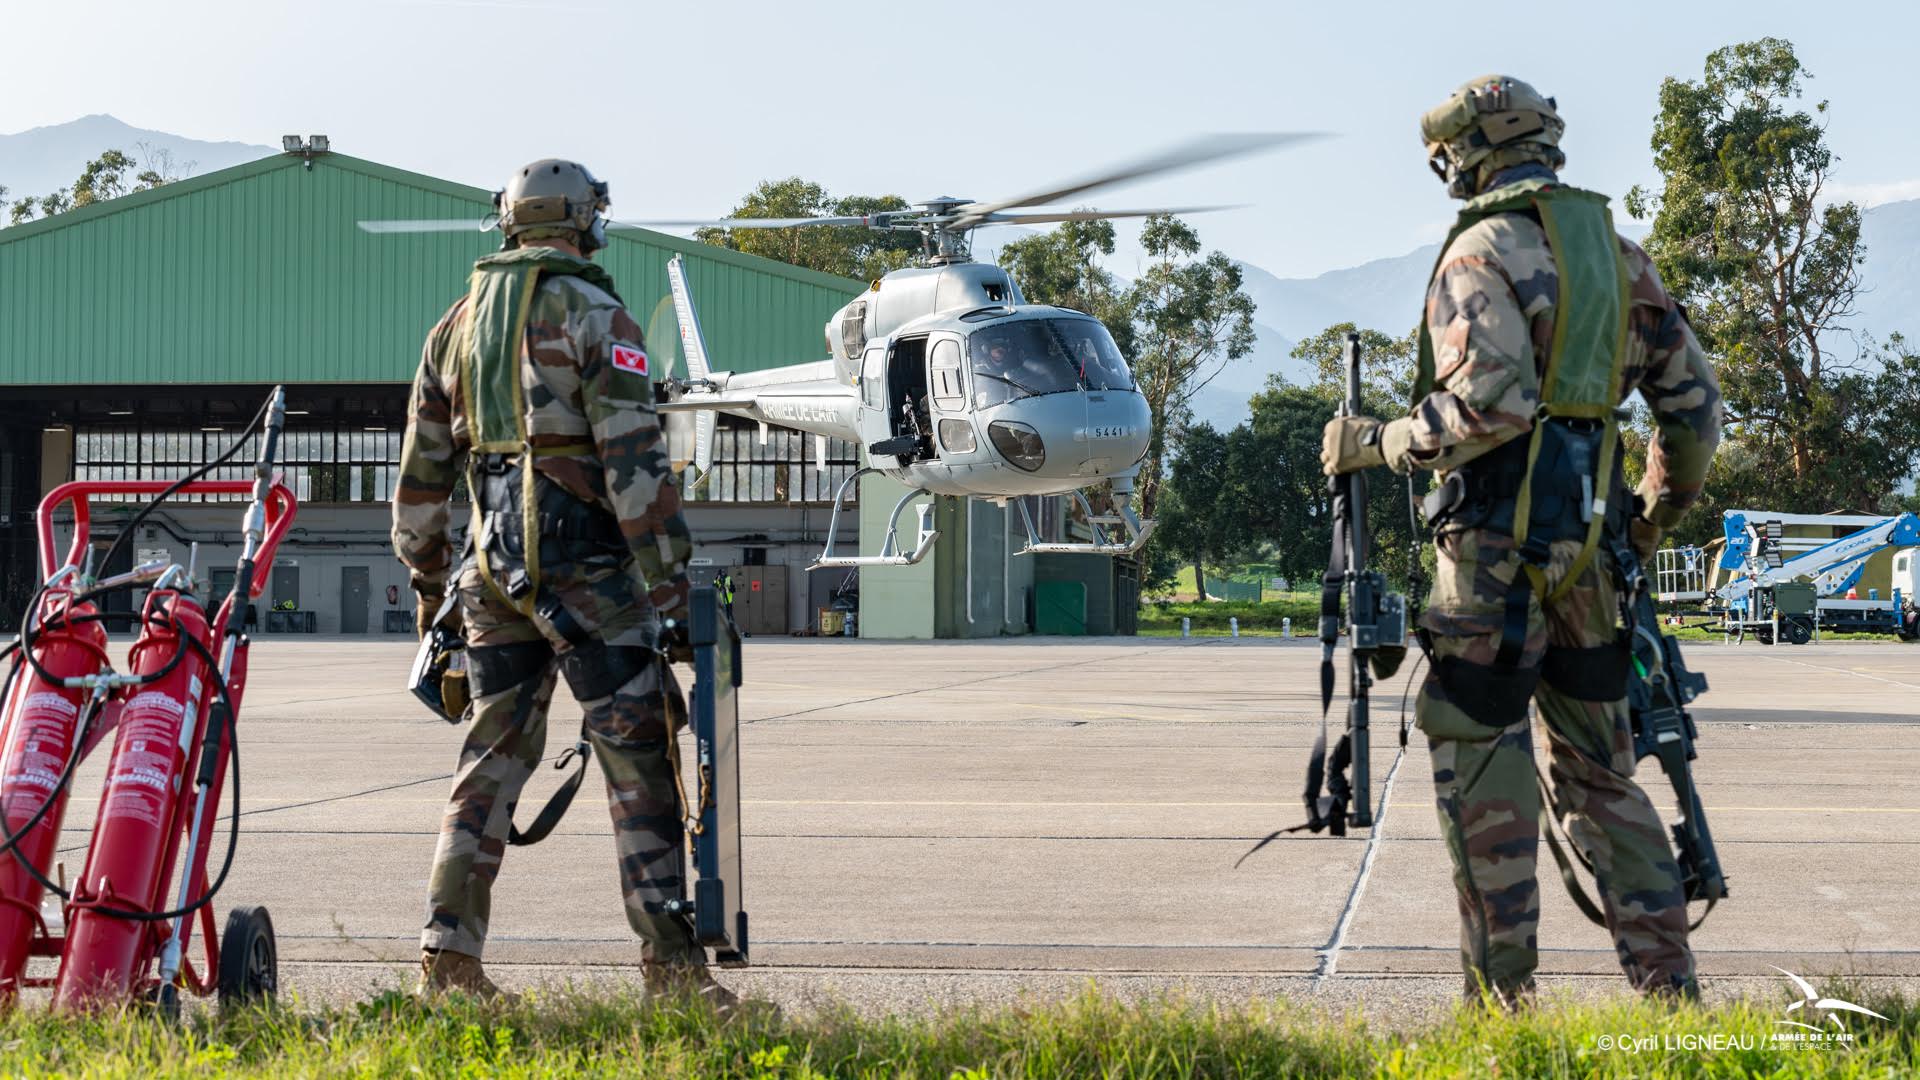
x=948, y=381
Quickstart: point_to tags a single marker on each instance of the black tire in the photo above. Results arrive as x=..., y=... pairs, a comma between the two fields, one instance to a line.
x=249, y=958
x=1764, y=635
x=1796, y=631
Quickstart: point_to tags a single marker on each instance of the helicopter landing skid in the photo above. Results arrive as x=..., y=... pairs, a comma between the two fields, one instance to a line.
x=1137, y=532
x=890, y=553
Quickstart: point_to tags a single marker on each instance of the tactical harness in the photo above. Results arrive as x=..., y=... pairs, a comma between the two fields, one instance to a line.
x=522, y=520
x=1565, y=482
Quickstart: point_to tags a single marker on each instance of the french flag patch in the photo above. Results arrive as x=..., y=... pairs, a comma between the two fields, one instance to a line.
x=628, y=358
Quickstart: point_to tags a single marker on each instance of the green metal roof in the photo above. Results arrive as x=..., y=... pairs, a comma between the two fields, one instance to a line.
x=260, y=274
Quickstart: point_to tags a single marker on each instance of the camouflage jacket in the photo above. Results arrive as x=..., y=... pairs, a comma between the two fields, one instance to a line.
x=575, y=393
x=1490, y=311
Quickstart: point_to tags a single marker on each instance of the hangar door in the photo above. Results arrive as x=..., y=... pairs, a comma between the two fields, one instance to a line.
x=760, y=599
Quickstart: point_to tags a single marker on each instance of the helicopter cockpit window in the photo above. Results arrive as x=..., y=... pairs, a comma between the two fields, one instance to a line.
x=1031, y=357
x=948, y=394
x=853, y=330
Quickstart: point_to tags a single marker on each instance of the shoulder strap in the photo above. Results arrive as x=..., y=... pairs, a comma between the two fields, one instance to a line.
x=1582, y=376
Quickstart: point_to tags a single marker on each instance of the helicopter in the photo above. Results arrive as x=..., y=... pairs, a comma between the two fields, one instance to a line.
x=944, y=376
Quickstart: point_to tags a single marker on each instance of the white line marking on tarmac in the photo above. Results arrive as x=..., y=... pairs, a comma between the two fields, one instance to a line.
x=1330, y=956
x=1851, y=671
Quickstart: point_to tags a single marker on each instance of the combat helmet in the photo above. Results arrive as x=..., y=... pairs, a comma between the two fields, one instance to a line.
x=1490, y=123
x=553, y=197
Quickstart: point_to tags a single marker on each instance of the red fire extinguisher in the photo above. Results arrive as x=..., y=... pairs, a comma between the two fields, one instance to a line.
x=41, y=736
x=136, y=835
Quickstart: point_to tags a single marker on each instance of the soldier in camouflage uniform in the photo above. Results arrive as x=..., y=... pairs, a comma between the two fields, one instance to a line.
x=1491, y=312
x=537, y=384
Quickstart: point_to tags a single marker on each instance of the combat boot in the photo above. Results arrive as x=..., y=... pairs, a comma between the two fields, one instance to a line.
x=444, y=971
x=690, y=981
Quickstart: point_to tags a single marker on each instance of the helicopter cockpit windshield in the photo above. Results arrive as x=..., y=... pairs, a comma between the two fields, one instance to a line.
x=1030, y=357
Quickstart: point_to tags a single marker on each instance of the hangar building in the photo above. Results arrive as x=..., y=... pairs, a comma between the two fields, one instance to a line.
x=138, y=335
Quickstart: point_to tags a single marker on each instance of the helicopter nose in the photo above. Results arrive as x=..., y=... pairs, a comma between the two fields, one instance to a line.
x=1116, y=433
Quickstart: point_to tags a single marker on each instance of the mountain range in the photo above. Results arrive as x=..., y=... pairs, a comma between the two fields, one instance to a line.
x=1384, y=294
x=39, y=160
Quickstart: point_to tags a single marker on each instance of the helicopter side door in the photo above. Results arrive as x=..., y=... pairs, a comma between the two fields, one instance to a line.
x=947, y=389
x=874, y=426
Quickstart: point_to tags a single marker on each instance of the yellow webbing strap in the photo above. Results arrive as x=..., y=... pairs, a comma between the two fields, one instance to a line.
x=1584, y=393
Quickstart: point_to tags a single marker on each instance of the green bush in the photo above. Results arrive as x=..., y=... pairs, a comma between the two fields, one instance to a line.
x=1258, y=619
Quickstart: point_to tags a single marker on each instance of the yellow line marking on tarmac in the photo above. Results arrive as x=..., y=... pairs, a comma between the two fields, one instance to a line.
x=1852, y=671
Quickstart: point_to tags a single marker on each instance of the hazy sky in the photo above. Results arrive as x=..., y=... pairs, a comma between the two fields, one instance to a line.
x=684, y=106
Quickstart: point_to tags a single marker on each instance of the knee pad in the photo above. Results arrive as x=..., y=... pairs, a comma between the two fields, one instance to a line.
x=1599, y=673
x=493, y=668
x=596, y=669
x=1488, y=695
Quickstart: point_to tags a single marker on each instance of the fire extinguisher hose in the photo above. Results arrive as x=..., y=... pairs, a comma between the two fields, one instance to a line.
x=24, y=642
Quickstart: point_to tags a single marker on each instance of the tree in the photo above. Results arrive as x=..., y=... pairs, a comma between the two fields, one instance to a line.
x=1200, y=519
x=1768, y=267
x=103, y=178
x=1387, y=365
x=1061, y=267
x=1283, y=478
x=849, y=251
x=1188, y=318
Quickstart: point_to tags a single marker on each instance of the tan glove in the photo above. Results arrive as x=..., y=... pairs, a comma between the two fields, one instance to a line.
x=674, y=636
x=428, y=596
x=1351, y=443
x=1645, y=536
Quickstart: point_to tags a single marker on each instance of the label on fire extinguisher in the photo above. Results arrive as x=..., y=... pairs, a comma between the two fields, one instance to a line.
x=41, y=743
x=143, y=761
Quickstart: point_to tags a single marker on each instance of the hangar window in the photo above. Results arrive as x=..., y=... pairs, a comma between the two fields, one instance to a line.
x=784, y=469
x=336, y=463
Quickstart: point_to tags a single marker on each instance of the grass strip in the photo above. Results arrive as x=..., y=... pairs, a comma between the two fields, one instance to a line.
x=570, y=1033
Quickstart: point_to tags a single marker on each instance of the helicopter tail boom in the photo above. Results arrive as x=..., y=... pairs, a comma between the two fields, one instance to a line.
x=693, y=344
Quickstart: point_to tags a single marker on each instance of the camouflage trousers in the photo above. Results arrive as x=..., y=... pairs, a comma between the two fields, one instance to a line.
x=1485, y=780
x=628, y=730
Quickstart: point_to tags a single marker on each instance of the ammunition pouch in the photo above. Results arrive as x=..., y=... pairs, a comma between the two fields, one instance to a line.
x=1481, y=494
x=1599, y=673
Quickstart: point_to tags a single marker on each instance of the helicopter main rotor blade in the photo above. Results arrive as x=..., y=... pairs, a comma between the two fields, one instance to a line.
x=477, y=224
x=741, y=223
x=1042, y=217
x=487, y=224
x=1186, y=155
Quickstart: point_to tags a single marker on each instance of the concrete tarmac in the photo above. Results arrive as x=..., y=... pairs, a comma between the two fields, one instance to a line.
x=932, y=824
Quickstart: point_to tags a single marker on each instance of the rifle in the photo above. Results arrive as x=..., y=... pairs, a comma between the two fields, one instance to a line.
x=1659, y=689
x=1375, y=621
x=1657, y=698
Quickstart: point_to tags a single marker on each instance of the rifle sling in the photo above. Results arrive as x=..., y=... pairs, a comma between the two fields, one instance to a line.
x=556, y=808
